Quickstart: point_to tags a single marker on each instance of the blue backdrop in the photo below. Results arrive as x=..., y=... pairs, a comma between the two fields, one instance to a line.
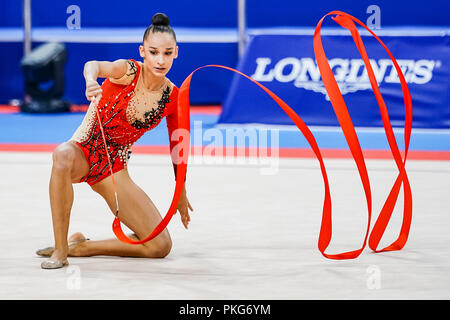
x=215, y=14
x=286, y=65
x=208, y=86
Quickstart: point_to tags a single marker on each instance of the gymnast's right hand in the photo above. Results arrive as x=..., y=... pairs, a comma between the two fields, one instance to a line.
x=93, y=89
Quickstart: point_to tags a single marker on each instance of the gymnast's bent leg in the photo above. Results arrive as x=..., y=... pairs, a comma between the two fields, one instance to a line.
x=137, y=212
x=69, y=166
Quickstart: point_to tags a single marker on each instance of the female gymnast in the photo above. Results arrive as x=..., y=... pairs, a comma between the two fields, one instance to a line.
x=132, y=100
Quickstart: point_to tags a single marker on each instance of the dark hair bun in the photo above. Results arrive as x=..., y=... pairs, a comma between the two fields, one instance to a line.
x=160, y=19
x=160, y=23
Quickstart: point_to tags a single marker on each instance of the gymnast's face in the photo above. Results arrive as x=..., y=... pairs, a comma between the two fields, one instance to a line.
x=158, y=50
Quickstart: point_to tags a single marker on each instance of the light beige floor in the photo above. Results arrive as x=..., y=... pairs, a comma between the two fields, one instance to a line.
x=252, y=235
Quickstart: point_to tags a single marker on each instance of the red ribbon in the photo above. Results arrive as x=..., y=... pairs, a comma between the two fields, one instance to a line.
x=345, y=121
x=338, y=103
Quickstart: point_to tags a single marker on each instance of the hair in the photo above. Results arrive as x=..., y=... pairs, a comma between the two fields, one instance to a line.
x=160, y=23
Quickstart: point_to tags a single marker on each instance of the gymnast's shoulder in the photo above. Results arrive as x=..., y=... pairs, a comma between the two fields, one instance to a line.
x=130, y=71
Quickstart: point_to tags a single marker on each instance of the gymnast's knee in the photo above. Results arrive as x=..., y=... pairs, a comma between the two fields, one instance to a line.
x=160, y=249
x=63, y=158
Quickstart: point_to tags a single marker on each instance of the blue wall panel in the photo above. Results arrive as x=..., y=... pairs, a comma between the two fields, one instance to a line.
x=207, y=13
x=209, y=86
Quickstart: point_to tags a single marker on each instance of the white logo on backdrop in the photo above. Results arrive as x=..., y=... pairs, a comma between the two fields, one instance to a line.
x=351, y=74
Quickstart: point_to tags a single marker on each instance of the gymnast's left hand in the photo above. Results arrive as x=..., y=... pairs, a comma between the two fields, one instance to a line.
x=183, y=206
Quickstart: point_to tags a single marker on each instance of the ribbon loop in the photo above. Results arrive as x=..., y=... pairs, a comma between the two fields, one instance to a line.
x=341, y=111
x=347, y=21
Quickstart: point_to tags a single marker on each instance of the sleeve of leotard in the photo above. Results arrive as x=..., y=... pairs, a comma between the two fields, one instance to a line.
x=128, y=77
x=172, y=125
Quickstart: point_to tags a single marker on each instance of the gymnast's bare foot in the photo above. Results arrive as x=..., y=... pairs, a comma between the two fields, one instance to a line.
x=76, y=237
x=76, y=241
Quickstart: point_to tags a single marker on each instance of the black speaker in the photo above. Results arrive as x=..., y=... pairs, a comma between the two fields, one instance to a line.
x=43, y=70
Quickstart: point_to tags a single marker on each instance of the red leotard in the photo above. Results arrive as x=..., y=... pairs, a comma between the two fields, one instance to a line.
x=120, y=133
